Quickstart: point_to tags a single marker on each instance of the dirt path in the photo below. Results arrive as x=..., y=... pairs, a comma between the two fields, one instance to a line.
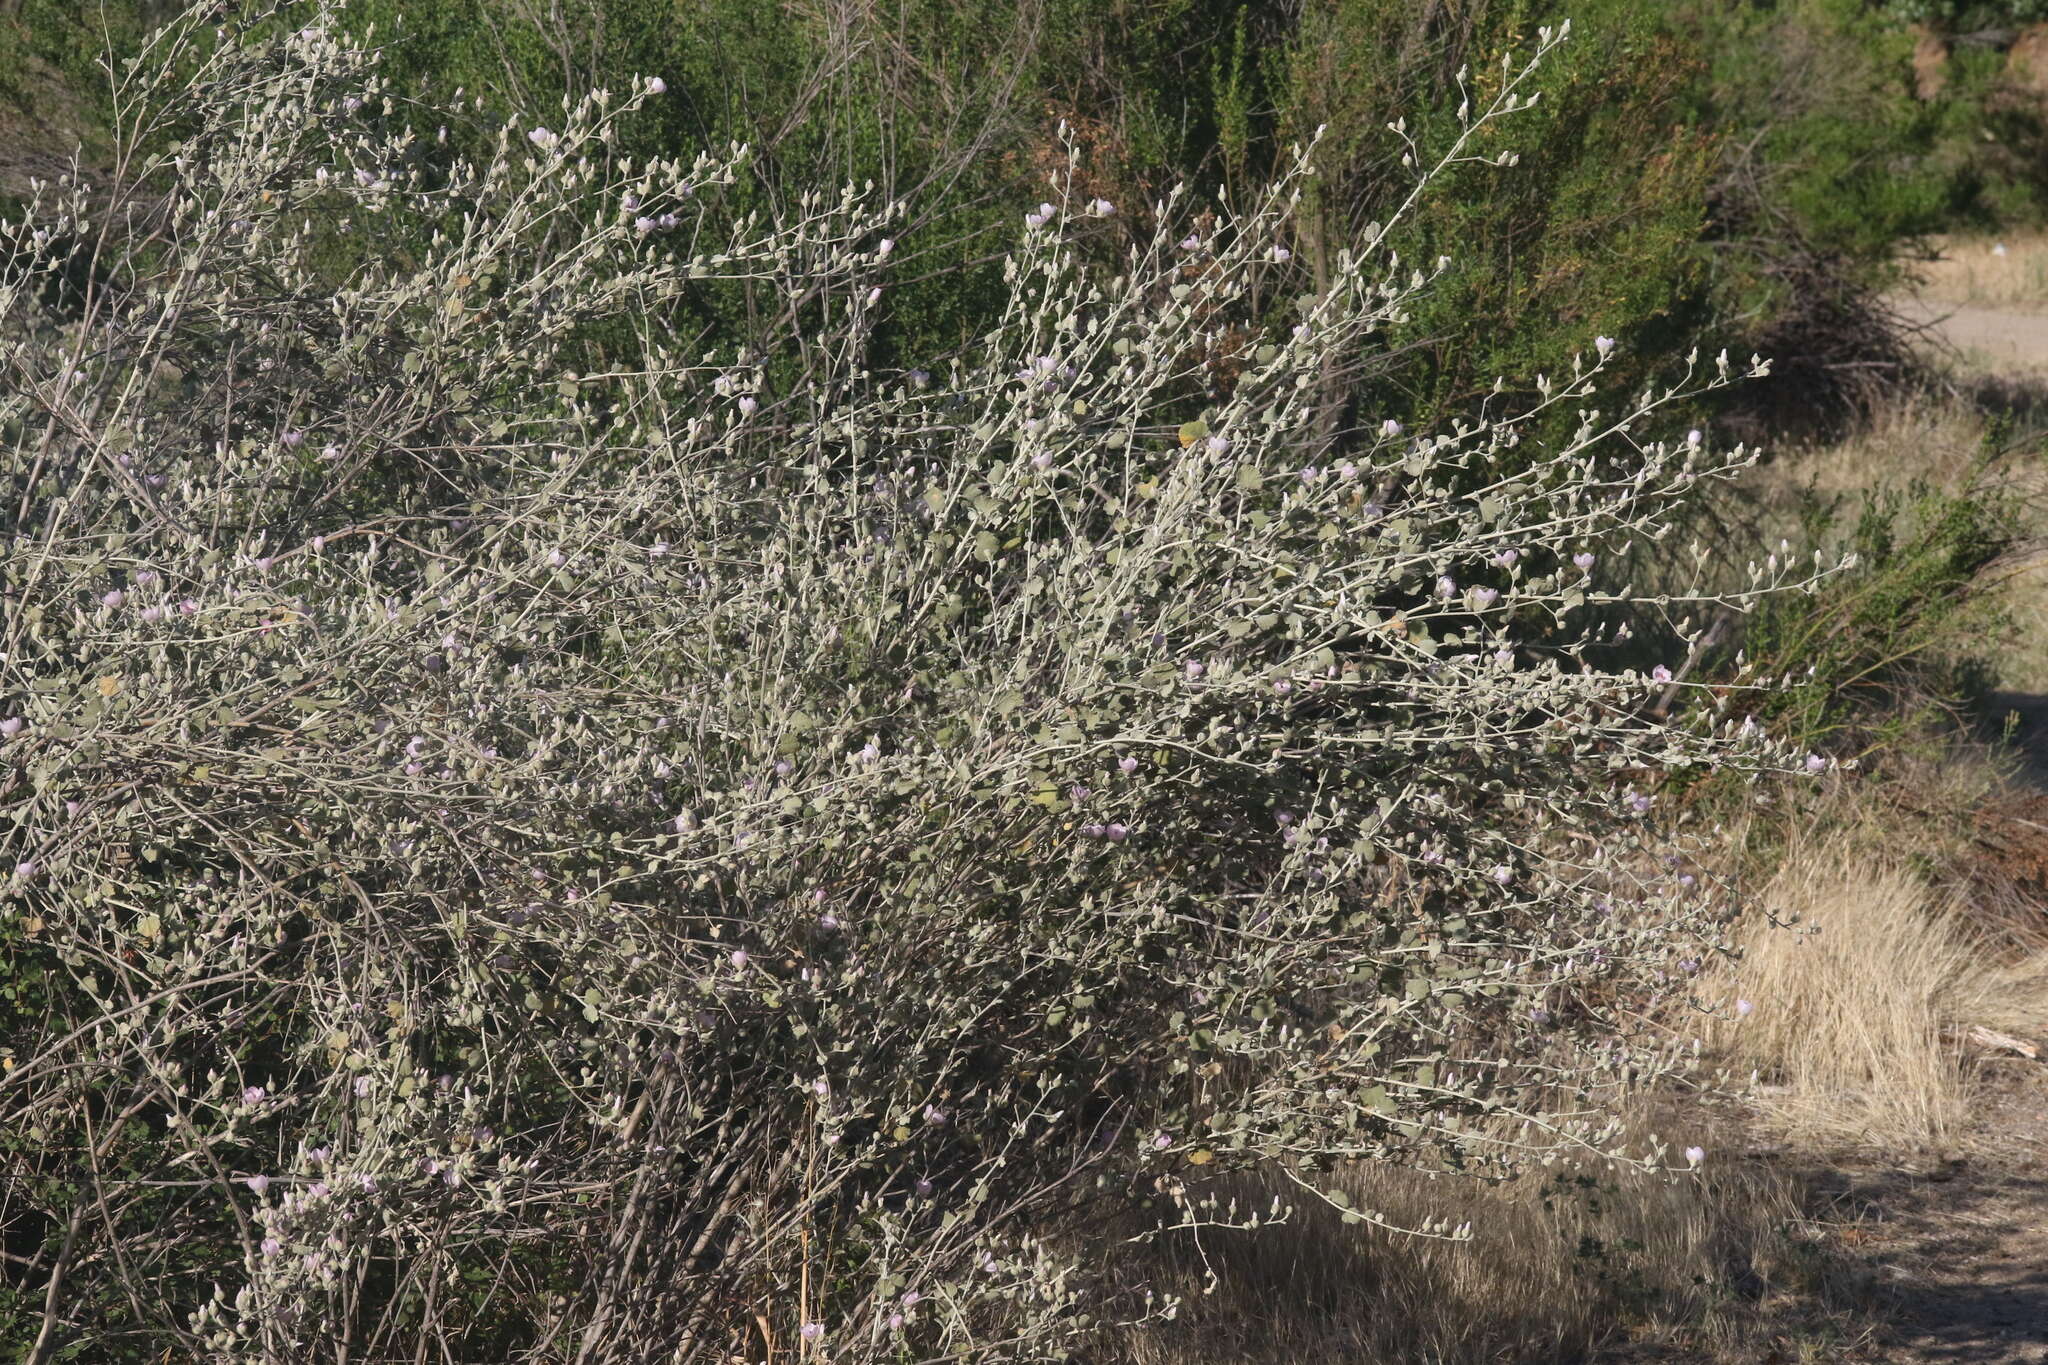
x=1992, y=340
x=1959, y=1251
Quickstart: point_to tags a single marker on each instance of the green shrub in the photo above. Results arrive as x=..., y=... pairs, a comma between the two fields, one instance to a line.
x=529, y=846
x=1871, y=654
x=1546, y=252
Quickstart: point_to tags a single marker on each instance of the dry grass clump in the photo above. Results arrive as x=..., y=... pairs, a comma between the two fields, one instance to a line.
x=1561, y=1261
x=1937, y=441
x=2009, y=271
x=1859, y=1009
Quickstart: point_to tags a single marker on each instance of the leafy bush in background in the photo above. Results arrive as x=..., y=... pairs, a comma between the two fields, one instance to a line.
x=1209, y=94
x=1775, y=155
x=1545, y=252
x=959, y=101
x=531, y=847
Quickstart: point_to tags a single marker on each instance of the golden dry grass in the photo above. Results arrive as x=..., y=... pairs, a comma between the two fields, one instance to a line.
x=1856, y=1039
x=1935, y=441
x=2008, y=271
x=1861, y=1007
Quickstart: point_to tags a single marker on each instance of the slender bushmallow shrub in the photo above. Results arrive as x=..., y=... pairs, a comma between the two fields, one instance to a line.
x=528, y=841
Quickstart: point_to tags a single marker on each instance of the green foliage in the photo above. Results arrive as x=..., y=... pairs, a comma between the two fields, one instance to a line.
x=1205, y=92
x=1758, y=139
x=1552, y=250
x=951, y=99
x=74, y=40
x=1841, y=149
x=1903, y=633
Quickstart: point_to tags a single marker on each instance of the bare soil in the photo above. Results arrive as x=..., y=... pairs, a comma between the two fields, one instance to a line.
x=2003, y=341
x=1955, y=1249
